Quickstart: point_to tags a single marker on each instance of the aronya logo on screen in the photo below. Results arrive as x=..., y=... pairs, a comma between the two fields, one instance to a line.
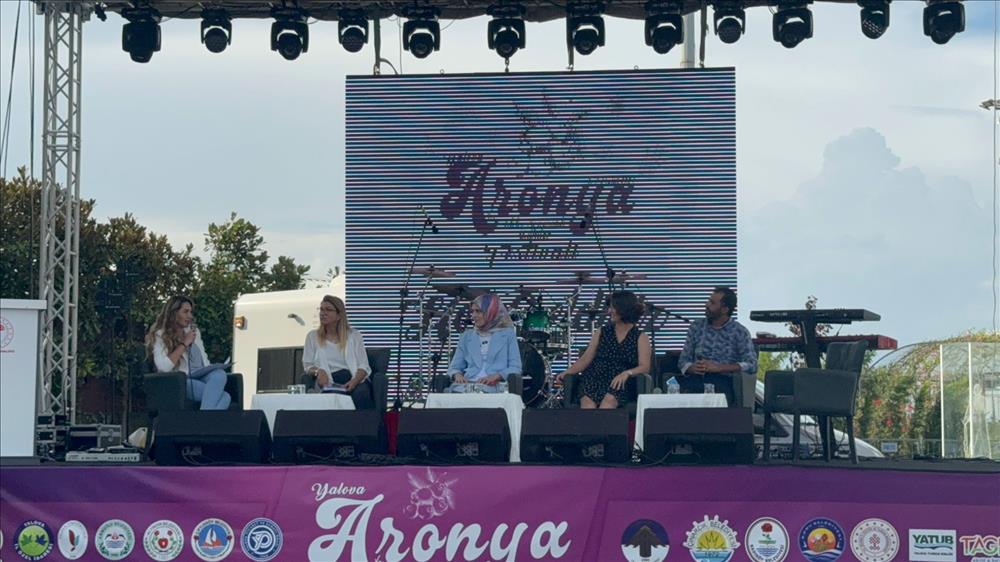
x=347, y=519
x=489, y=200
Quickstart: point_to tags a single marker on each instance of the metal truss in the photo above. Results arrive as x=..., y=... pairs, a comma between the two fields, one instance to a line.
x=59, y=259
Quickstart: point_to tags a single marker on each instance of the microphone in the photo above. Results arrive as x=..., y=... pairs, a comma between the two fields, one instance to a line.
x=428, y=220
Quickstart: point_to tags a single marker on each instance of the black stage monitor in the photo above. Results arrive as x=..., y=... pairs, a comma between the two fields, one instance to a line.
x=327, y=436
x=575, y=436
x=210, y=437
x=698, y=435
x=454, y=435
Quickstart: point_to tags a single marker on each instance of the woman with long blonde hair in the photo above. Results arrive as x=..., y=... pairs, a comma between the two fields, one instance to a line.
x=335, y=354
x=174, y=343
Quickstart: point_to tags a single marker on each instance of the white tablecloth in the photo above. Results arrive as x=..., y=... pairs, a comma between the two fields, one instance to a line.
x=511, y=403
x=271, y=403
x=672, y=401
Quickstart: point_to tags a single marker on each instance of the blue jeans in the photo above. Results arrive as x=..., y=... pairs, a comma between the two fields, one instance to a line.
x=210, y=390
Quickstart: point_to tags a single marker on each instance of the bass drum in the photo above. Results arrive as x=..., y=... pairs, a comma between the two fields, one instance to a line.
x=532, y=372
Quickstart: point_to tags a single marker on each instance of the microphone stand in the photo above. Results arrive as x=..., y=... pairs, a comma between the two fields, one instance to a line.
x=590, y=219
x=404, y=292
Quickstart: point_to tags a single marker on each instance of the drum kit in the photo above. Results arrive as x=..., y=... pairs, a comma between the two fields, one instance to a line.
x=545, y=325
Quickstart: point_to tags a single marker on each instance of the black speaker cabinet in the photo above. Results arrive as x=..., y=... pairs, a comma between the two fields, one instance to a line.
x=211, y=437
x=455, y=435
x=575, y=436
x=699, y=435
x=327, y=436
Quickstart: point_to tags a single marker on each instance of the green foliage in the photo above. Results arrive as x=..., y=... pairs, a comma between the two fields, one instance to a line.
x=127, y=272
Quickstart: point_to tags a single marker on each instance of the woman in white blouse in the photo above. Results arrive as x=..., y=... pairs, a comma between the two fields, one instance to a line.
x=335, y=353
x=175, y=344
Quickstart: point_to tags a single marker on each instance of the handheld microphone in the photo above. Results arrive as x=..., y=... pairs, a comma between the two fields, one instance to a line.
x=428, y=220
x=585, y=222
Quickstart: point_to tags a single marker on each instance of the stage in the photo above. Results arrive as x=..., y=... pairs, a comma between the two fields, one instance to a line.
x=514, y=512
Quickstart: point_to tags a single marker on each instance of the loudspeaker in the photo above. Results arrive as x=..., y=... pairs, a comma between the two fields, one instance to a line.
x=699, y=435
x=575, y=436
x=210, y=437
x=455, y=435
x=327, y=436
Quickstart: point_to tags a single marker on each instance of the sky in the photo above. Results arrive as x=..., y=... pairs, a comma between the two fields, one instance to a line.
x=865, y=169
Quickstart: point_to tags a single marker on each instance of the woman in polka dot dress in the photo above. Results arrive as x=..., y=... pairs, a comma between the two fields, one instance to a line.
x=617, y=352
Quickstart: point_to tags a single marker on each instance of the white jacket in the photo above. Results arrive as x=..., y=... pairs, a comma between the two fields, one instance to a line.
x=162, y=359
x=354, y=353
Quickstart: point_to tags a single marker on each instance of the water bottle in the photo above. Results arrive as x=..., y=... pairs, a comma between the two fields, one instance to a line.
x=709, y=388
x=502, y=387
x=672, y=386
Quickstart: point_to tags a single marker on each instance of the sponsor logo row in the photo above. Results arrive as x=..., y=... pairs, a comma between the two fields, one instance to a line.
x=211, y=540
x=820, y=540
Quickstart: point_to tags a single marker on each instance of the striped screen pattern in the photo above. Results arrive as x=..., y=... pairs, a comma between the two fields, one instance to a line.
x=509, y=166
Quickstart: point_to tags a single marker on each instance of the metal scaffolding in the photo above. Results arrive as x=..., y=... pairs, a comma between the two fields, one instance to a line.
x=59, y=259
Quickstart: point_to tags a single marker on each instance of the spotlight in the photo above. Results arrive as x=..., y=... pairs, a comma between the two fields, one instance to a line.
x=585, y=27
x=216, y=29
x=422, y=32
x=352, y=29
x=943, y=19
x=874, y=17
x=505, y=32
x=792, y=23
x=664, y=25
x=289, y=34
x=730, y=21
x=141, y=35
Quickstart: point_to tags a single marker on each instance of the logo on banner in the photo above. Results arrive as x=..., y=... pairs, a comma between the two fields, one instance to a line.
x=431, y=496
x=766, y=540
x=821, y=540
x=261, y=539
x=982, y=548
x=711, y=540
x=645, y=540
x=6, y=332
x=73, y=539
x=114, y=539
x=933, y=545
x=163, y=540
x=874, y=540
x=33, y=540
x=212, y=540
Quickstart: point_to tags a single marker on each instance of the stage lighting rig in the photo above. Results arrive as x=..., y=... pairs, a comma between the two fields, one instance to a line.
x=141, y=35
x=352, y=29
x=792, y=23
x=943, y=19
x=505, y=32
x=421, y=32
x=730, y=20
x=289, y=33
x=585, y=26
x=874, y=17
x=664, y=25
x=216, y=29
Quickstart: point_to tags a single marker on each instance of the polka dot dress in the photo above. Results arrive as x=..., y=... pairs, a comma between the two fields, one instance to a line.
x=612, y=358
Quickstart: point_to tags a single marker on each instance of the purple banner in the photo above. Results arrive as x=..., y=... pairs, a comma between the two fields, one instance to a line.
x=706, y=514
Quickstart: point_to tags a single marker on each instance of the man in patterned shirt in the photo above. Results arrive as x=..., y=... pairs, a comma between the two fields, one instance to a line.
x=716, y=347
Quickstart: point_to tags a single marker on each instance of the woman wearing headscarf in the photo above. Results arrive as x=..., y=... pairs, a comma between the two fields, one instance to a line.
x=335, y=353
x=487, y=353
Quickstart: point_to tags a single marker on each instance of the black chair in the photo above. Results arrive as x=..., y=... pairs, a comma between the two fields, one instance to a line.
x=744, y=384
x=639, y=384
x=824, y=393
x=167, y=392
x=378, y=360
x=515, y=383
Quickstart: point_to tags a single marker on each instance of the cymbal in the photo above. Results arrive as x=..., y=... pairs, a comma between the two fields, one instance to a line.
x=432, y=272
x=580, y=278
x=460, y=291
x=626, y=277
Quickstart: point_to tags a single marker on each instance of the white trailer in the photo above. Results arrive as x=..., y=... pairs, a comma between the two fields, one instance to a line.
x=269, y=330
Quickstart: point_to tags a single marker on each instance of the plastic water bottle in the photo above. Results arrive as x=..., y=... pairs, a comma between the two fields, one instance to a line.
x=502, y=387
x=709, y=388
x=673, y=388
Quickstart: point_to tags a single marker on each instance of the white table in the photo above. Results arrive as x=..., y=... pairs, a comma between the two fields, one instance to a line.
x=511, y=403
x=271, y=403
x=647, y=401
